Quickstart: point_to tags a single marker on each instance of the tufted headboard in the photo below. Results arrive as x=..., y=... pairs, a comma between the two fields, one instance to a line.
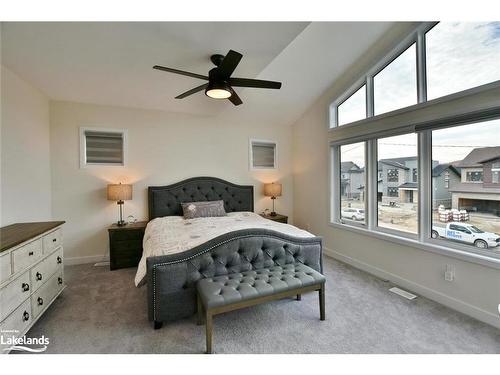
x=166, y=200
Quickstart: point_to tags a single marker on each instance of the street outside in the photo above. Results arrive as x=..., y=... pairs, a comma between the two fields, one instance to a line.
x=403, y=217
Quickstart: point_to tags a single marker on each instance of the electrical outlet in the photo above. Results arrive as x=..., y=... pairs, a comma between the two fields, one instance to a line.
x=449, y=274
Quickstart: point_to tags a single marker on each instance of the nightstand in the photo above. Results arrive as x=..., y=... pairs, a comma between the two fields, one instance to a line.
x=279, y=218
x=125, y=245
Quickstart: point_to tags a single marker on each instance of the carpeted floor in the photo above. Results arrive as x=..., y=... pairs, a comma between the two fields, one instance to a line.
x=103, y=312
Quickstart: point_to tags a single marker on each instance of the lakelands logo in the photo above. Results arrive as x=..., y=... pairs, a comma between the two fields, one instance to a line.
x=10, y=342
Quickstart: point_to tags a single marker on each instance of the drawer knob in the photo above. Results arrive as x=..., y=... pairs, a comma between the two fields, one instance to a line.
x=25, y=287
x=54, y=239
x=40, y=301
x=59, y=260
x=38, y=276
x=30, y=253
x=59, y=280
x=26, y=316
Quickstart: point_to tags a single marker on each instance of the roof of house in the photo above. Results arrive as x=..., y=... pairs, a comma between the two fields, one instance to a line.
x=480, y=155
x=409, y=185
x=393, y=164
x=440, y=168
x=347, y=166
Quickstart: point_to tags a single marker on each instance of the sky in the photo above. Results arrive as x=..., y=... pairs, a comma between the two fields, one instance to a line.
x=460, y=55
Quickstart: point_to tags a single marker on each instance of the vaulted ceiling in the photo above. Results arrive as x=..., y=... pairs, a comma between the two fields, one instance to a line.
x=110, y=63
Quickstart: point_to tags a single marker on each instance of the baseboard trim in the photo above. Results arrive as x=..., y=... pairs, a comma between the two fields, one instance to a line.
x=422, y=290
x=85, y=260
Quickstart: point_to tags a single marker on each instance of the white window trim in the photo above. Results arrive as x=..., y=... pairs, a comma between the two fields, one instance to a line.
x=482, y=103
x=250, y=154
x=83, y=150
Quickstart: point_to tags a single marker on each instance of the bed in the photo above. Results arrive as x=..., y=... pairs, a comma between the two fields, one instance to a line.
x=178, y=252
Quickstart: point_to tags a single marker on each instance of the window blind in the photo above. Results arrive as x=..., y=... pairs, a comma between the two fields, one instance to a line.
x=103, y=147
x=263, y=155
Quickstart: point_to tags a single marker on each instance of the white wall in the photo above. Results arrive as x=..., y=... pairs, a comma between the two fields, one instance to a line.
x=25, y=152
x=163, y=148
x=476, y=289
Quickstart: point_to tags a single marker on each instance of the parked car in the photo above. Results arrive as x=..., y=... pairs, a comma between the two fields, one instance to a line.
x=353, y=213
x=466, y=233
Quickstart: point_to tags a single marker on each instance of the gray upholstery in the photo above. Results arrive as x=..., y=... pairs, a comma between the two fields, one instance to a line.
x=172, y=278
x=243, y=286
x=166, y=200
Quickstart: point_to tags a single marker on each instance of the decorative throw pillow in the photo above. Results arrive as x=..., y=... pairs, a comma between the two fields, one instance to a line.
x=192, y=210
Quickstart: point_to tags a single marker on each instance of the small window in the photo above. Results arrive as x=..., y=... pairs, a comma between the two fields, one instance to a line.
x=396, y=85
x=392, y=175
x=495, y=173
x=392, y=192
x=415, y=175
x=447, y=179
x=461, y=55
x=475, y=176
x=262, y=154
x=353, y=108
x=102, y=147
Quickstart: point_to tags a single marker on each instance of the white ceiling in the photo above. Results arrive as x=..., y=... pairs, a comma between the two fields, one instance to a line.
x=110, y=63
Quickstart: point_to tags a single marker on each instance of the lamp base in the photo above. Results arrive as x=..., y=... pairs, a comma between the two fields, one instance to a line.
x=121, y=223
x=273, y=214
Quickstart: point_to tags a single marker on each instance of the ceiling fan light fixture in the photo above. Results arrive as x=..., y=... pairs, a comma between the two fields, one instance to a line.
x=218, y=90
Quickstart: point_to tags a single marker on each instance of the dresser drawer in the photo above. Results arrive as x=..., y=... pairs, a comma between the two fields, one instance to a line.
x=43, y=296
x=52, y=240
x=5, y=267
x=45, y=269
x=26, y=255
x=18, y=321
x=13, y=294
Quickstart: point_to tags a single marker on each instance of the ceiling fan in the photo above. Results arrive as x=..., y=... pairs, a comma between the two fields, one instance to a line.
x=220, y=83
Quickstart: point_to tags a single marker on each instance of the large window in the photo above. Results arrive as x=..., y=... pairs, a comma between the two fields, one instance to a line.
x=461, y=55
x=464, y=213
x=352, y=183
x=398, y=207
x=353, y=108
x=432, y=170
x=396, y=85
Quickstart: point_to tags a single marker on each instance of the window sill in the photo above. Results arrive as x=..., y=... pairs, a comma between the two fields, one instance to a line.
x=441, y=250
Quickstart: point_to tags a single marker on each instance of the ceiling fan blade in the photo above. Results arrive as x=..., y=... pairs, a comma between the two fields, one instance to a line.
x=182, y=72
x=234, y=98
x=229, y=63
x=192, y=91
x=246, y=82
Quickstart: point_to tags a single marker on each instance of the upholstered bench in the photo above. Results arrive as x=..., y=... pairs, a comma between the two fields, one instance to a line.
x=221, y=294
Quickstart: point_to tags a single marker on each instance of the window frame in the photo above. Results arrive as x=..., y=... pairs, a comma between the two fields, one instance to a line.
x=477, y=110
x=83, y=147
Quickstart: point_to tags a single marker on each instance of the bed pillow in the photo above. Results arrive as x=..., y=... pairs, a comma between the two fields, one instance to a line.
x=193, y=210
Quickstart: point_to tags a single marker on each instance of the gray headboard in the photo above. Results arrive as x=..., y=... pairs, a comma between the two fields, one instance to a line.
x=166, y=200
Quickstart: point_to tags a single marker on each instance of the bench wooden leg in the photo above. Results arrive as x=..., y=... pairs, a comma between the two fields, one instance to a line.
x=299, y=297
x=200, y=311
x=208, y=323
x=322, y=302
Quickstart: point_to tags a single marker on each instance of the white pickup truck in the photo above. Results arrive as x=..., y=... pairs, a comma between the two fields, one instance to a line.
x=467, y=233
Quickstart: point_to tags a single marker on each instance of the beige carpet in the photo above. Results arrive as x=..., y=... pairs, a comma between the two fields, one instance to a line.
x=103, y=312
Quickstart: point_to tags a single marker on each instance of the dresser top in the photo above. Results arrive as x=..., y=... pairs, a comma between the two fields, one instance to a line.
x=14, y=234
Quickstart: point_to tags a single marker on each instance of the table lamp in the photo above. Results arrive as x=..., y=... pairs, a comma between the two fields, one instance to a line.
x=119, y=193
x=272, y=190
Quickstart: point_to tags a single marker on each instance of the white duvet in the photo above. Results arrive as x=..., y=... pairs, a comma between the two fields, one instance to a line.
x=174, y=234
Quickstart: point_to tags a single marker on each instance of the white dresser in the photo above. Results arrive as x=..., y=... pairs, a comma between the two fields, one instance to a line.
x=31, y=274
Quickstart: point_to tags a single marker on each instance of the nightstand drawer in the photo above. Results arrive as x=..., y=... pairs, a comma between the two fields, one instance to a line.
x=127, y=246
x=127, y=234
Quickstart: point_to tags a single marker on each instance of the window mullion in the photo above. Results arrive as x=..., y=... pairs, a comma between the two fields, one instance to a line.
x=421, y=68
x=424, y=185
x=335, y=184
x=371, y=184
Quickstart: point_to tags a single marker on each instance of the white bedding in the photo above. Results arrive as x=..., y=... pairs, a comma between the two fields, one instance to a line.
x=174, y=234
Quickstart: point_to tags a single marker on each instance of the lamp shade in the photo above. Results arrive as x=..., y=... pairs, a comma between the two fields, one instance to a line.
x=119, y=192
x=272, y=190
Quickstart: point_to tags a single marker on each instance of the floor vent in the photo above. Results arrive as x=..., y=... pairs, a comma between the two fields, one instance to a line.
x=101, y=264
x=403, y=293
